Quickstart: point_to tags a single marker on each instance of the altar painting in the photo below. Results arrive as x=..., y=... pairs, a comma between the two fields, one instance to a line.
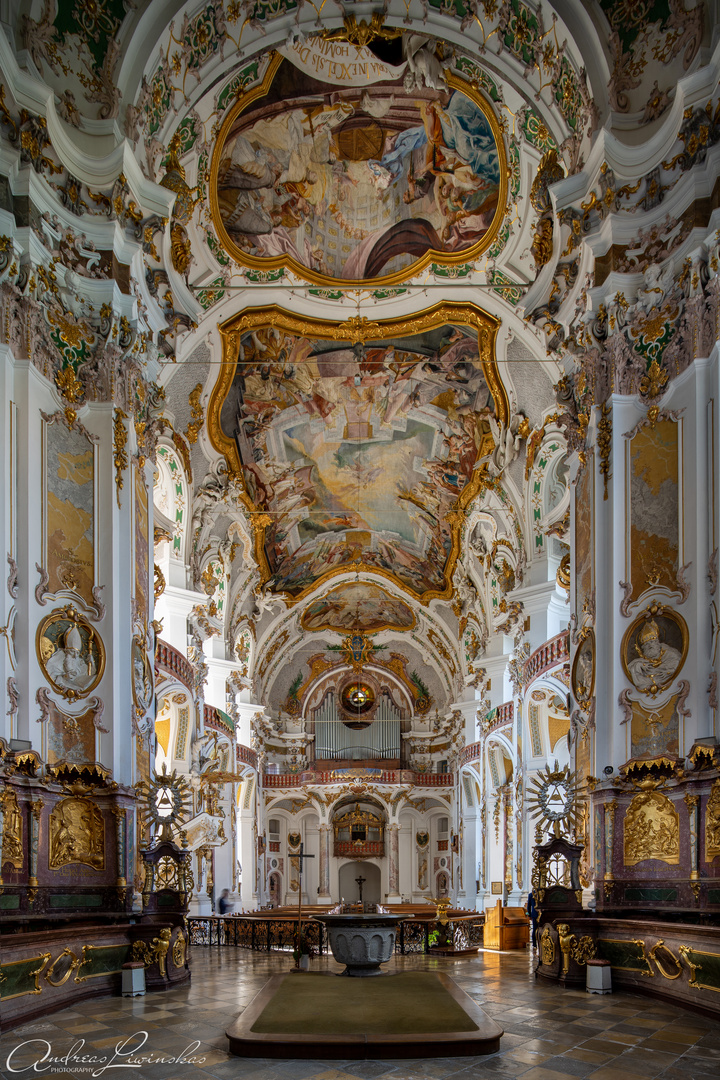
x=348, y=183
x=356, y=454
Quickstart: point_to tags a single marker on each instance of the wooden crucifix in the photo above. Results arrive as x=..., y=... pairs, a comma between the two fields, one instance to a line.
x=360, y=881
x=300, y=856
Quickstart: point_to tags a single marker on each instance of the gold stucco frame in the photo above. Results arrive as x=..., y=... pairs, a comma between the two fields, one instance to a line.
x=353, y=330
x=287, y=262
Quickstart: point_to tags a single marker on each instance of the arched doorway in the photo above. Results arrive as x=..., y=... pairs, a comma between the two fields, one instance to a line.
x=371, y=885
x=275, y=889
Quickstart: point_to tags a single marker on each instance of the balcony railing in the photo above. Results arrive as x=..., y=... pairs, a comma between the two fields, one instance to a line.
x=246, y=756
x=174, y=663
x=473, y=752
x=218, y=720
x=400, y=776
x=359, y=849
x=549, y=655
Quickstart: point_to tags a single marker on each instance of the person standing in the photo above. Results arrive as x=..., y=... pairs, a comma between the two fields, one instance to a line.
x=224, y=904
x=532, y=911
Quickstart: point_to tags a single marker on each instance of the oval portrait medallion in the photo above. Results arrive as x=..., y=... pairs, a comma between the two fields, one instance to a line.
x=70, y=653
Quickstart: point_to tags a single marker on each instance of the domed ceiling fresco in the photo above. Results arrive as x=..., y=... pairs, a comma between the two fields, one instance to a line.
x=358, y=606
x=347, y=183
x=358, y=442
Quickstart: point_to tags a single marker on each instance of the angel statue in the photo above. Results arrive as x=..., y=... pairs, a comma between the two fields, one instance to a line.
x=507, y=442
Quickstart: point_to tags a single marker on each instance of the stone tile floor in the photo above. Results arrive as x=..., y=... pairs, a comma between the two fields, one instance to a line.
x=550, y=1034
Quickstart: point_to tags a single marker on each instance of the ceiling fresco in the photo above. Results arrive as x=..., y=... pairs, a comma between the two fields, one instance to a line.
x=358, y=606
x=356, y=443
x=356, y=183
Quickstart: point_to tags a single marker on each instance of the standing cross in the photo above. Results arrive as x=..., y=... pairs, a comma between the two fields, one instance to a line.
x=360, y=881
x=300, y=856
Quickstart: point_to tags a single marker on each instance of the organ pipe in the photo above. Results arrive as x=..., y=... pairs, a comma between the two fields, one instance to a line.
x=334, y=740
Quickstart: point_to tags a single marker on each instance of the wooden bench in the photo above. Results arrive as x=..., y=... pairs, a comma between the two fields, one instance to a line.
x=506, y=928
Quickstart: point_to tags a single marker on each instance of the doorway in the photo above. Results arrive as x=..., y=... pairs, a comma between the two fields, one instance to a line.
x=371, y=885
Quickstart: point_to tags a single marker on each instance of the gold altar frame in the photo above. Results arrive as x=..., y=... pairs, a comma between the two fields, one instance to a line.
x=287, y=262
x=353, y=330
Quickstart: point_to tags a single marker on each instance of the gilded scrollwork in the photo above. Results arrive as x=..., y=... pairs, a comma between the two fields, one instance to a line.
x=567, y=942
x=178, y=951
x=661, y=948
x=62, y=967
x=583, y=950
x=154, y=952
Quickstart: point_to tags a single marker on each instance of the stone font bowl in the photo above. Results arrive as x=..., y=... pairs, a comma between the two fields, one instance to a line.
x=361, y=942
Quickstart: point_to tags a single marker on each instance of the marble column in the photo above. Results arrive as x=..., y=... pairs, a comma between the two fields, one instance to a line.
x=393, y=896
x=691, y=801
x=324, y=864
x=610, y=809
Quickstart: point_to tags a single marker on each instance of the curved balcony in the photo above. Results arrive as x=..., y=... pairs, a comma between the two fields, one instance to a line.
x=246, y=756
x=217, y=720
x=549, y=655
x=172, y=662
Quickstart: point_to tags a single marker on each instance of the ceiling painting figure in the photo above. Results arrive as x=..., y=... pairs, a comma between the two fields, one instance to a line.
x=357, y=451
x=358, y=606
x=352, y=183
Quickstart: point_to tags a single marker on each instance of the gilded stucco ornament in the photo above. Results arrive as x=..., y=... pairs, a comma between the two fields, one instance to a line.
x=70, y=652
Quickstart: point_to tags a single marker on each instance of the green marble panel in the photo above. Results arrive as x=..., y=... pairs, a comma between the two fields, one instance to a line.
x=625, y=955
x=75, y=900
x=704, y=966
x=102, y=960
x=20, y=977
x=657, y=896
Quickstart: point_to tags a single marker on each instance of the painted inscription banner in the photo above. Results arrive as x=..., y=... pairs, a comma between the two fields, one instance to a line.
x=340, y=62
x=343, y=185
